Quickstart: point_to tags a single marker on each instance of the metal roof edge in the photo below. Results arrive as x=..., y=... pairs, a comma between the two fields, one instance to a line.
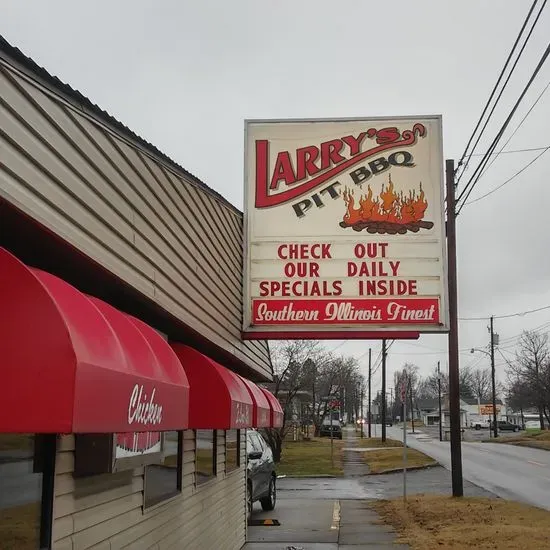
x=15, y=57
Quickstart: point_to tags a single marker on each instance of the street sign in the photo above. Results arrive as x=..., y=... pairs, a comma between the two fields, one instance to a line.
x=488, y=409
x=403, y=388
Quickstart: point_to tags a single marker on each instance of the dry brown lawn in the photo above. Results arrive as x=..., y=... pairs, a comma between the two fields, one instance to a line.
x=537, y=439
x=10, y=442
x=383, y=461
x=444, y=523
x=19, y=527
x=311, y=457
x=373, y=442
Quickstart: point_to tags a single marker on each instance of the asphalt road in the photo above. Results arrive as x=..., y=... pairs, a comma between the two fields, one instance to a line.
x=511, y=472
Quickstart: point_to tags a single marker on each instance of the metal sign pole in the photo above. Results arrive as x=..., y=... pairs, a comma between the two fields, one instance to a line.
x=331, y=439
x=383, y=410
x=370, y=397
x=362, y=425
x=404, y=399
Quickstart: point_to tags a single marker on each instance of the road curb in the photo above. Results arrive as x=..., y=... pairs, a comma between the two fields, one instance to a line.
x=319, y=476
x=411, y=469
x=517, y=444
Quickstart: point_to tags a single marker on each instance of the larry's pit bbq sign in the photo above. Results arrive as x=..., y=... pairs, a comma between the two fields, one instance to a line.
x=344, y=226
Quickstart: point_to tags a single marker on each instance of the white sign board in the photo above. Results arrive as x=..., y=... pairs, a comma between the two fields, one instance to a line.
x=137, y=443
x=344, y=226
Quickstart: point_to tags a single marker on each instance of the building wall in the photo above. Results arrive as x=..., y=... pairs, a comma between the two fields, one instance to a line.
x=473, y=411
x=106, y=512
x=140, y=217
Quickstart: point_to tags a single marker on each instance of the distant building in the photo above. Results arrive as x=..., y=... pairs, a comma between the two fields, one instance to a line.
x=482, y=410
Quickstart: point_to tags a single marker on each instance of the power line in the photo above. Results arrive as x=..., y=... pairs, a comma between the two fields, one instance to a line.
x=502, y=354
x=465, y=350
x=528, y=150
x=517, y=128
x=512, y=341
x=518, y=38
x=378, y=362
x=518, y=314
x=477, y=174
x=508, y=180
x=338, y=346
x=485, y=159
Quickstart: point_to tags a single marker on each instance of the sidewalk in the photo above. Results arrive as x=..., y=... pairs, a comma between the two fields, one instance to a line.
x=323, y=525
x=323, y=514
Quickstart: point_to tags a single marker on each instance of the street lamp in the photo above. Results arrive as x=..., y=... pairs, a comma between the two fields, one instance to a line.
x=492, y=356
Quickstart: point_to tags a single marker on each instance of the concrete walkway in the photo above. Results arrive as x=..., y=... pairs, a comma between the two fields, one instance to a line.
x=322, y=525
x=323, y=514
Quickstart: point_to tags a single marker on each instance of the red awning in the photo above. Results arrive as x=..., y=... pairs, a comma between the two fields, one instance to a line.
x=261, y=417
x=71, y=363
x=219, y=397
x=277, y=414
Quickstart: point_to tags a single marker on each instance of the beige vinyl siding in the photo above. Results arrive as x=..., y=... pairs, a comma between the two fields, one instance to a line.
x=106, y=512
x=134, y=214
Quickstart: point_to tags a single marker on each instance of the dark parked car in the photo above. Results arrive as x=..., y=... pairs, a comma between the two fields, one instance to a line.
x=327, y=428
x=261, y=481
x=507, y=426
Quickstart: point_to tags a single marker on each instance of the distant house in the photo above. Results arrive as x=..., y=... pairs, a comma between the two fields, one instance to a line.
x=298, y=410
x=528, y=417
x=482, y=409
x=427, y=410
x=471, y=411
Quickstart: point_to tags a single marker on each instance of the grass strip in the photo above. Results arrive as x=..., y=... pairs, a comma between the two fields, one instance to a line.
x=376, y=442
x=19, y=527
x=382, y=461
x=538, y=439
x=430, y=522
x=311, y=458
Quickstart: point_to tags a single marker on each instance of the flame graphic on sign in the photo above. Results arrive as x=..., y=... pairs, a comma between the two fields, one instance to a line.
x=390, y=212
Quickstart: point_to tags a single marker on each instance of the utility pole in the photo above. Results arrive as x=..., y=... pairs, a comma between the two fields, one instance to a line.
x=362, y=417
x=370, y=380
x=454, y=380
x=495, y=425
x=383, y=391
x=439, y=398
x=412, y=406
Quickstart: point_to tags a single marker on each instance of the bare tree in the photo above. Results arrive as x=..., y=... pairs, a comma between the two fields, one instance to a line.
x=294, y=368
x=340, y=377
x=427, y=386
x=520, y=397
x=305, y=365
x=533, y=370
x=414, y=382
x=481, y=384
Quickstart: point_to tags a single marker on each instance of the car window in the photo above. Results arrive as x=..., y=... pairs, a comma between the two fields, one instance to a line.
x=265, y=446
x=262, y=442
x=254, y=442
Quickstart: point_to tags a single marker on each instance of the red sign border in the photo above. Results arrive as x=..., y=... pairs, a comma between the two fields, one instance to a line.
x=330, y=335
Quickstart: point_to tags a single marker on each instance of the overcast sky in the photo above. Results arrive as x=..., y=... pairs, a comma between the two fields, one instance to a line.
x=184, y=75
